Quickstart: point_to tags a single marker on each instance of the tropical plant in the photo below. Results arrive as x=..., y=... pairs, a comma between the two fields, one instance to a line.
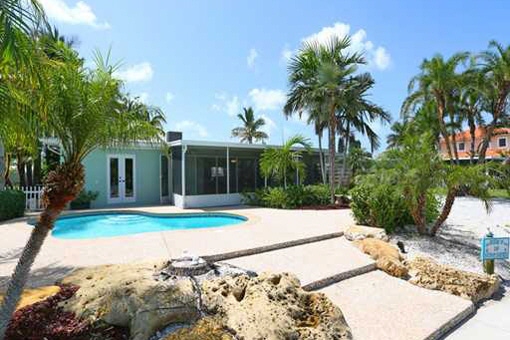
x=437, y=82
x=359, y=160
x=357, y=113
x=495, y=65
x=396, y=136
x=250, y=131
x=286, y=161
x=151, y=114
x=319, y=76
x=81, y=109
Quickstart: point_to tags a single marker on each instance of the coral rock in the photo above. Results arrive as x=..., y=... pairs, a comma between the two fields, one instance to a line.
x=360, y=232
x=427, y=273
x=388, y=258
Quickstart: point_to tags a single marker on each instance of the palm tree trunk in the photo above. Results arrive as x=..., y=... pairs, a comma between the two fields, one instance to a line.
x=444, y=133
x=7, y=171
x=500, y=106
x=20, y=276
x=418, y=214
x=332, y=124
x=61, y=187
x=472, y=133
x=21, y=170
x=455, y=150
x=346, y=150
x=321, y=159
x=450, y=199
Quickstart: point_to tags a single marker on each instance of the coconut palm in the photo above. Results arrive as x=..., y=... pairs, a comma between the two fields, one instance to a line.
x=495, y=64
x=81, y=108
x=250, y=131
x=396, y=137
x=282, y=162
x=437, y=82
x=319, y=76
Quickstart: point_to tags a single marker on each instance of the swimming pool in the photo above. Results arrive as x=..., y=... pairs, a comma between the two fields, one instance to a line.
x=117, y=224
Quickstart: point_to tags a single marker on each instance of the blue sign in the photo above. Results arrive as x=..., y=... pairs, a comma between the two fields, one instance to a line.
x=495, y=248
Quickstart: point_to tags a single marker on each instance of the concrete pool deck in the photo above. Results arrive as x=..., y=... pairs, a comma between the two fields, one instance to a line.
x=264, y=227
x=375, y=305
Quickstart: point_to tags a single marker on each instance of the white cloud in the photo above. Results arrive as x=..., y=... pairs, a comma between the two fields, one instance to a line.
x=376, y=56
x=382, y=58
x=79, y=14
x=250, y=59
x=267, y=99
x=169, y=97
x=137, y=73
x=225, y=103
x=191, y=127
x=270, y=124
x=286, y=54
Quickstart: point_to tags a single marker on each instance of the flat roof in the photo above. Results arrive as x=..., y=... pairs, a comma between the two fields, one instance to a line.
x=187, y=142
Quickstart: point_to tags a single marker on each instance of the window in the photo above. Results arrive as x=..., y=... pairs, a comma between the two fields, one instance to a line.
x=462, y=146
x=502, y=142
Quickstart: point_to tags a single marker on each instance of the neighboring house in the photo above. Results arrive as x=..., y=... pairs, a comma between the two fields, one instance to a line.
x=215, y=173
x=499, y=146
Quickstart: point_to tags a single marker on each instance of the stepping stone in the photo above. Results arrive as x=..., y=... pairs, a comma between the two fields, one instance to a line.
x=311, y=262
x=378, y=306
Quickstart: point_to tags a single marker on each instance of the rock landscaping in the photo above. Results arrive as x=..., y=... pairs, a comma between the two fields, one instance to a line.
x=142, y=300
x=388, y=258
x=427, y=273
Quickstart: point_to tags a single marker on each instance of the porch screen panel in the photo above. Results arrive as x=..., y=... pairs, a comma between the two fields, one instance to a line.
x=177, y=170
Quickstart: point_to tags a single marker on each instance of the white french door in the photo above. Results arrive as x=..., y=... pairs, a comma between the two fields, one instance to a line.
x=121, y=179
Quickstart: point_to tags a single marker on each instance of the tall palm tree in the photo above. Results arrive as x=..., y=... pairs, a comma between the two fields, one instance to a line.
x=319, y=76
x=437, y=81
x=81, y=110
x=495, y=64
x=470, y=105
x=357, y=113
x=284, y=161
x=250, y=131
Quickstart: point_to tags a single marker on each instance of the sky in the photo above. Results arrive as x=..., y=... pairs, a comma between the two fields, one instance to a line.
x=202, y=61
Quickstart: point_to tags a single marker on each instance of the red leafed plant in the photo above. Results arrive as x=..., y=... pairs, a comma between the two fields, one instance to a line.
x=45, y=320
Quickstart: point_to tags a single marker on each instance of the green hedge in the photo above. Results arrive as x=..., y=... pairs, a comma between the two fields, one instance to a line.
x=12, y=204
x=290, y=198
x=380, y=204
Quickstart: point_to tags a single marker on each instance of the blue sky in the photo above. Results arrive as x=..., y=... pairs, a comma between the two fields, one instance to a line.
x=201, y=61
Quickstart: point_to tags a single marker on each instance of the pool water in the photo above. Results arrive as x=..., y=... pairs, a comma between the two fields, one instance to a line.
x=117, y=224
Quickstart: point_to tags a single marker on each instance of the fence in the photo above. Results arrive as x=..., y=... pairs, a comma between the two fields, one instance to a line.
x=33, y=196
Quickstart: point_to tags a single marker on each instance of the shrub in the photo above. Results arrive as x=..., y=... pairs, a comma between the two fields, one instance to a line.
x=12, y=204
x=82, y=201
x=379, y=205
x=293, y=197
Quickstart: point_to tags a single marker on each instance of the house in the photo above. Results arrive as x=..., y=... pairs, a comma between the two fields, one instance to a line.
x=499, y=145
x=184, y=173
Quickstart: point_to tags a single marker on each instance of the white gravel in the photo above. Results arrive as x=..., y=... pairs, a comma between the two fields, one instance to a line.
x=458, y=242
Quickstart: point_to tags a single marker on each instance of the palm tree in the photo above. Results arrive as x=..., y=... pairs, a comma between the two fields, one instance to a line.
x=396, y=137
x=437, y=81
x=250, y=130
x=319, y=76
x=495, y=64
x=357, y=112
x=81, y=110
x=152, y=114
x=281, y=162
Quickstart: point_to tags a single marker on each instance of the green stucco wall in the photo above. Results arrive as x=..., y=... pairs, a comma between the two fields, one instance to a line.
x=147, y=182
